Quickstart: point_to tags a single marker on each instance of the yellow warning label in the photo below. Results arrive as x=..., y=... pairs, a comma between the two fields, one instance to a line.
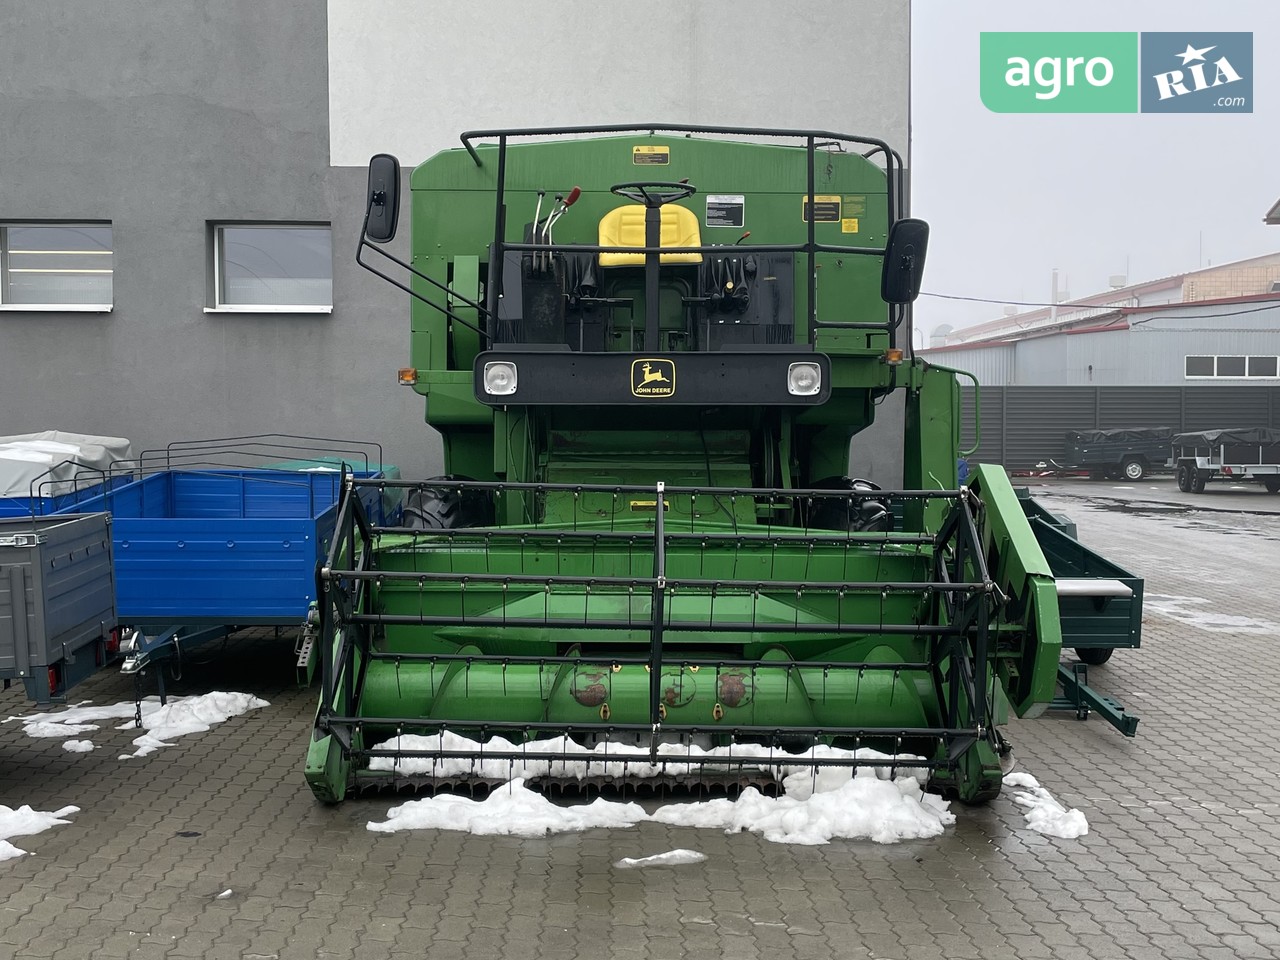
x=650, y=154
x=653, y=377
x=639, y=505
x=826, y=209
x=849, y=225
x=855, y=204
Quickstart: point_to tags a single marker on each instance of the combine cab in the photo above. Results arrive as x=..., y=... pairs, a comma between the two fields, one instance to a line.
x=647, y=351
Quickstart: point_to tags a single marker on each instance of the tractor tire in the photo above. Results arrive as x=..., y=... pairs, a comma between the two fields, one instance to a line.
x=1272, y=484
x=1094, y=656
x=1198, y=479
x=445, y=507
x=1184, y=478
x=1133, y=469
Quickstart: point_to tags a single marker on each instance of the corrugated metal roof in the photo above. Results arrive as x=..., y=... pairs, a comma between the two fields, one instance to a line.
x=1013, y=327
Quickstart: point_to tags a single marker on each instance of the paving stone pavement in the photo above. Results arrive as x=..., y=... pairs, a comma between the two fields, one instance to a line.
x=1180, y=861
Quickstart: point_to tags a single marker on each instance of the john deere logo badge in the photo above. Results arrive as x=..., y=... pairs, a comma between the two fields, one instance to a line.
x=653, y=377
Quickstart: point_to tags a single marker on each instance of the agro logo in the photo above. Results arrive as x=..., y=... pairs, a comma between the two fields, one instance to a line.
x=1197, y=73
x=653, y=377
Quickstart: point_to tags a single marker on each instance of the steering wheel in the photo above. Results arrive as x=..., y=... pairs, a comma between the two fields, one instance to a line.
x=654, y=193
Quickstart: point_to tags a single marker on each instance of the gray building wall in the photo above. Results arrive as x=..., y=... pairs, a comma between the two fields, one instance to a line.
x=1151, y=352
x=161, y=124
x=162, y=120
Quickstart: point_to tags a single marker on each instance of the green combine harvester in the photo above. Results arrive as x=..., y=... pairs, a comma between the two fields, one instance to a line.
x=647, y=350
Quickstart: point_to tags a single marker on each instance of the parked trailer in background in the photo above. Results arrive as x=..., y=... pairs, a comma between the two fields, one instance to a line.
x=1249, y=453
x=204, y=547
x=1127, y=453
x=57, y=602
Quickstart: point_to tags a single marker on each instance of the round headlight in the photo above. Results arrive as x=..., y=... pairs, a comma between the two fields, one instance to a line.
x=804, y=379
x=500, y=378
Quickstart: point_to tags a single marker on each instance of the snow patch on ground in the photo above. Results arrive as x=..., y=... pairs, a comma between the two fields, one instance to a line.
x=179, y=717
x=862, y=808
x=25, y=822
x=509, y=811
x=883, y=803
x=671, y=858
x=1189, y=610
x=1042, y=812
x=80, y=718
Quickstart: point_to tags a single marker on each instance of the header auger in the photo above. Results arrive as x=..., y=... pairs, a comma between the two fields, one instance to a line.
x=647, y=551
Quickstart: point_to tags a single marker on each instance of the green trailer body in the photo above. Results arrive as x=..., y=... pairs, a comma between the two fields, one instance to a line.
x=648, y=532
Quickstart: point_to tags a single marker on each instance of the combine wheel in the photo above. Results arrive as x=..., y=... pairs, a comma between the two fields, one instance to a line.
x=1184, y=478
x=1272, y=484
x=1094, y=656
x=1133, y=469
x=1198, y=479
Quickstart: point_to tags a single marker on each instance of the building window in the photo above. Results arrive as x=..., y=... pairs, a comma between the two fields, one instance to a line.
x=55, y=266
x=1231, y=366
x=1263, y=366
x=272, y=268
x=1200, y=366
x=1234, y=367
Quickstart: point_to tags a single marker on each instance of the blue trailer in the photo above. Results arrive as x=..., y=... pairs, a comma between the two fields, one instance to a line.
x=200, y=553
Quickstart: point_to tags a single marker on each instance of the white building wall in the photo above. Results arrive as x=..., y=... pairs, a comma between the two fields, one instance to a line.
x=407, y=77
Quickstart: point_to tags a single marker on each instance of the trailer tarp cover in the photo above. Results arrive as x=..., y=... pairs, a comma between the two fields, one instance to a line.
x=56, y=462
x=1263, y=436
x=1119, y=433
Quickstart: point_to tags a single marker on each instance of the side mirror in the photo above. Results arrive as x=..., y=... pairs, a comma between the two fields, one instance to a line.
x=904, y=261
x=383, y=207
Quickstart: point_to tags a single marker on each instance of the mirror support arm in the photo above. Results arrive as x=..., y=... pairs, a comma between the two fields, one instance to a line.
x=365, y=242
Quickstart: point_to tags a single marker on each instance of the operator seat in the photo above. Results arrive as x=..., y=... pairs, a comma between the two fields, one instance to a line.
x=624, y=227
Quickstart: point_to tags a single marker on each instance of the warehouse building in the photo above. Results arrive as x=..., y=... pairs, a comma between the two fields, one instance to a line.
x=1197, y=351
x=183, y=191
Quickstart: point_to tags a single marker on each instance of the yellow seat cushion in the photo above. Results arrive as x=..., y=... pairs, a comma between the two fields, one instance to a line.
x=624, y=227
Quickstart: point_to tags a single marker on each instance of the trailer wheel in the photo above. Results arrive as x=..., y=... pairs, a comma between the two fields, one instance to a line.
x=1198, y=479
x=1094, y=656
x=1112, y=473
x=1272, y=484
x=1133, y=469
x=1184, y=478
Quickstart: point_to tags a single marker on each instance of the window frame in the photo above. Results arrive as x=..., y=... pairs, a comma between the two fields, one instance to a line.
x=213, y=301
x=1231, y=376
x=6, y=307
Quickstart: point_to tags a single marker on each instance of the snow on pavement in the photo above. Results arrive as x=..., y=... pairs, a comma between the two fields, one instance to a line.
x=509, y=811
x=25, y=822
x=671, y=858
x=179, y=717
x=862, y=808
x=882, y=803
x=1042, y=812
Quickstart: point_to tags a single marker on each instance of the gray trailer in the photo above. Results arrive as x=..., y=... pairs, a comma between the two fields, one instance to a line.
x=57, y=602
x=1235, y=454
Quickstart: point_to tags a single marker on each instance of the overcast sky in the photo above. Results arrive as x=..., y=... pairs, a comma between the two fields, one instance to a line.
x=1011, y=196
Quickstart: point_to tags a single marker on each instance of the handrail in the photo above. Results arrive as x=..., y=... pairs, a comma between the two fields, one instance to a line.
x=894, y=189
x=977, y=406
